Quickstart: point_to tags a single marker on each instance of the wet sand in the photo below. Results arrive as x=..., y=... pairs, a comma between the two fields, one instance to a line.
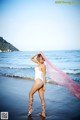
x=60, y=104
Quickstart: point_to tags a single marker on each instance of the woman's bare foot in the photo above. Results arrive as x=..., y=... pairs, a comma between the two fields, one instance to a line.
x=29, y=112
x=42, y=114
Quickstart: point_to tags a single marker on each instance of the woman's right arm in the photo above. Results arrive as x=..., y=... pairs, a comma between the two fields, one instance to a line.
x=33, y=58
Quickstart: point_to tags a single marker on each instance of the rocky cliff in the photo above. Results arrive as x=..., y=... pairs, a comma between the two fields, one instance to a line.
x=6, y=46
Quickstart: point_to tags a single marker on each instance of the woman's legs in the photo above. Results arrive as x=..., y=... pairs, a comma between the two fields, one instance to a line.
x=41, y=95
x=37, y=85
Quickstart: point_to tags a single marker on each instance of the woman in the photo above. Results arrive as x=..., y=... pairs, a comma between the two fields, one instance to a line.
x=39, y=84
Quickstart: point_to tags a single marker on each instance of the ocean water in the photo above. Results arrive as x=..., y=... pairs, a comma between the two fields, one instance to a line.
x=18, y=64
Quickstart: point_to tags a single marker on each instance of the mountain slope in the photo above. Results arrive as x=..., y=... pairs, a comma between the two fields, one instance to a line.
x=6, y=46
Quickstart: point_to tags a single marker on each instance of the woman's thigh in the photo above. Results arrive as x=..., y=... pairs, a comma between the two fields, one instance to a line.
x=41, y=93
x=37, y=85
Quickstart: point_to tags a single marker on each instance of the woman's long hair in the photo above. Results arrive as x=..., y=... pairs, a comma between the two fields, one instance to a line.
x=59, y=77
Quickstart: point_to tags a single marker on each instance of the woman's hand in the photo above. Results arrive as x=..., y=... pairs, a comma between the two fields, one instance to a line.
x=39, y=52
x=44, y=88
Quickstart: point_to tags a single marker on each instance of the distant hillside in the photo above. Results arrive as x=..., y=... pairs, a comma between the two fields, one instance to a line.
x=6, y=47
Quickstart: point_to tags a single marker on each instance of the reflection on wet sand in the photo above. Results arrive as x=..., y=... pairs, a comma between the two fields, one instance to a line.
x=30, y=118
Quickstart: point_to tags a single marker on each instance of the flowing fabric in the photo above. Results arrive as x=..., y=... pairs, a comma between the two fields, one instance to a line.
x=59, y=77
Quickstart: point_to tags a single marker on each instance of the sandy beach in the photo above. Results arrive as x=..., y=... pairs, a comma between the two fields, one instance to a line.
x=60, y=105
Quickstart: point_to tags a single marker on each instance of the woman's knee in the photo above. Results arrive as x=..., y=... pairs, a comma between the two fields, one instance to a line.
x=30, y=94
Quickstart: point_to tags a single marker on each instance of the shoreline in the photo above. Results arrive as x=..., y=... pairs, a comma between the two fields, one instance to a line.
x=26, y=78
x=60, y=105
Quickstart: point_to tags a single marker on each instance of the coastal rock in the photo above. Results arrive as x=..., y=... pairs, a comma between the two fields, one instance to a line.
x=6, y=46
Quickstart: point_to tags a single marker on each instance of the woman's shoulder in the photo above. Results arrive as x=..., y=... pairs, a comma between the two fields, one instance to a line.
x=43, y=65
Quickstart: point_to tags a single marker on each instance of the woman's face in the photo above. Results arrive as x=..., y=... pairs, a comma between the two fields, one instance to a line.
x=40, y=59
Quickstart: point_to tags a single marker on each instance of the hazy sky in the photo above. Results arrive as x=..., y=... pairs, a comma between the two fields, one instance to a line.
x=40, y=24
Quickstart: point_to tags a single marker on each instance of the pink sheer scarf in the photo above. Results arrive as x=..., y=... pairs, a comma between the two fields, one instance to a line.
x=59, y=77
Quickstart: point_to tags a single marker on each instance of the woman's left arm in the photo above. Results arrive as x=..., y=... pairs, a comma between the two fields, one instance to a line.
x=44, y=76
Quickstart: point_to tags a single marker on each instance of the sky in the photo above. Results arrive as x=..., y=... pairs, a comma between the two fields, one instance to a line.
x=40, y=24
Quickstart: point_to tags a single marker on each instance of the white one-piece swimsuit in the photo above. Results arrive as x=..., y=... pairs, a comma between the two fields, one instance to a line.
x=38, y=74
